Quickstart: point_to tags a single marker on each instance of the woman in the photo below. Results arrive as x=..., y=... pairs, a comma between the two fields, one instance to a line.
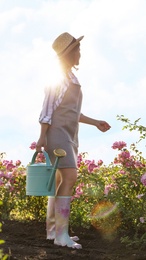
x=59, y=121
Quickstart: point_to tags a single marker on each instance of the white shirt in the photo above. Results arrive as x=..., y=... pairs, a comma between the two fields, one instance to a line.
x=54, y=96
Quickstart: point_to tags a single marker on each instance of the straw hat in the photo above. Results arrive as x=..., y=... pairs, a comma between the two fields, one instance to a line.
x=64, y=43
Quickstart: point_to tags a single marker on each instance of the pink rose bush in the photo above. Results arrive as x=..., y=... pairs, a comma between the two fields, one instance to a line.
x=15, y=203
x=116, y=193
x=122, y=183
x=12, y=183
x=143, y=179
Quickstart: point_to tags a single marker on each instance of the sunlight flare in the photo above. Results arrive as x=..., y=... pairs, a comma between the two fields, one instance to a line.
x=105, y=217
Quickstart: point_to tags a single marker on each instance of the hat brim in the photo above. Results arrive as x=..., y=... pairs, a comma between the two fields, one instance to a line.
x=71, y=47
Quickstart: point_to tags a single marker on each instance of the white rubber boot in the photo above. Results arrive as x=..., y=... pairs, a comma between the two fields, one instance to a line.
x=50, y=219
x=62, y=213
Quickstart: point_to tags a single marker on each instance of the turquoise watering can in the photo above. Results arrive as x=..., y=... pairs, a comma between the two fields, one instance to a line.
x=40, y=177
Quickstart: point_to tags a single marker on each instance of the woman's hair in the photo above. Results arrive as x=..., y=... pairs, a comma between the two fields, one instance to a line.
x=68, y=61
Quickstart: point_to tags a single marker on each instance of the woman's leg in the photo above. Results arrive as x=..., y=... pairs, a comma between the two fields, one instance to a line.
x=50, y=218
x=62, y=208
x=68, y=179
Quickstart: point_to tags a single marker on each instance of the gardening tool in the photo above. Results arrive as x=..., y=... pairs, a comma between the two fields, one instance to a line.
x=40, y=177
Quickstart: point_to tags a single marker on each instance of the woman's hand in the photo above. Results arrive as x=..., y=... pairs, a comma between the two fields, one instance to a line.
x=41, y=143
x=103, y=126
x=42, y=140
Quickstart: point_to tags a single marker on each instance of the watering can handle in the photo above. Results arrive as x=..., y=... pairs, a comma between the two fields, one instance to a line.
x=58, y=153
x=48, y=162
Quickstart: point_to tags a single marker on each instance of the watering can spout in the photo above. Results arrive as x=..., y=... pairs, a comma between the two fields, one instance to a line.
x=59, y=153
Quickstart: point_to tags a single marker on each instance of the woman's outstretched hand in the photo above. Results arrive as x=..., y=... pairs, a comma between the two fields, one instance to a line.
x=103, y=126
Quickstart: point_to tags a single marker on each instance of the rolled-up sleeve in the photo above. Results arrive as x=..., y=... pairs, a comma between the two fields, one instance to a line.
x=48, y=106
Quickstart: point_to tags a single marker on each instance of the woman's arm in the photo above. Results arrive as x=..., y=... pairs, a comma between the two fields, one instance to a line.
x=100, y=124
x=45, y=117
x=42, y=139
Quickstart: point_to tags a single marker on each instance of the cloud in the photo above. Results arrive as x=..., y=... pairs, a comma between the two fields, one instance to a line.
x=112, y=67
x=19, y=28
x=10, y=17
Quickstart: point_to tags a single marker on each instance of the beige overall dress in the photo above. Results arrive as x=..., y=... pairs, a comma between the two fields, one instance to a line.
x=63, y=132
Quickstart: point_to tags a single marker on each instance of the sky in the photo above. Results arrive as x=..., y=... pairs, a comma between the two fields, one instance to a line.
x=112, y=69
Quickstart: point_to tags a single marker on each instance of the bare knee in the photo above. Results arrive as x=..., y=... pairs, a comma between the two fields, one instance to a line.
x=69, y=176
x=68, y=180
